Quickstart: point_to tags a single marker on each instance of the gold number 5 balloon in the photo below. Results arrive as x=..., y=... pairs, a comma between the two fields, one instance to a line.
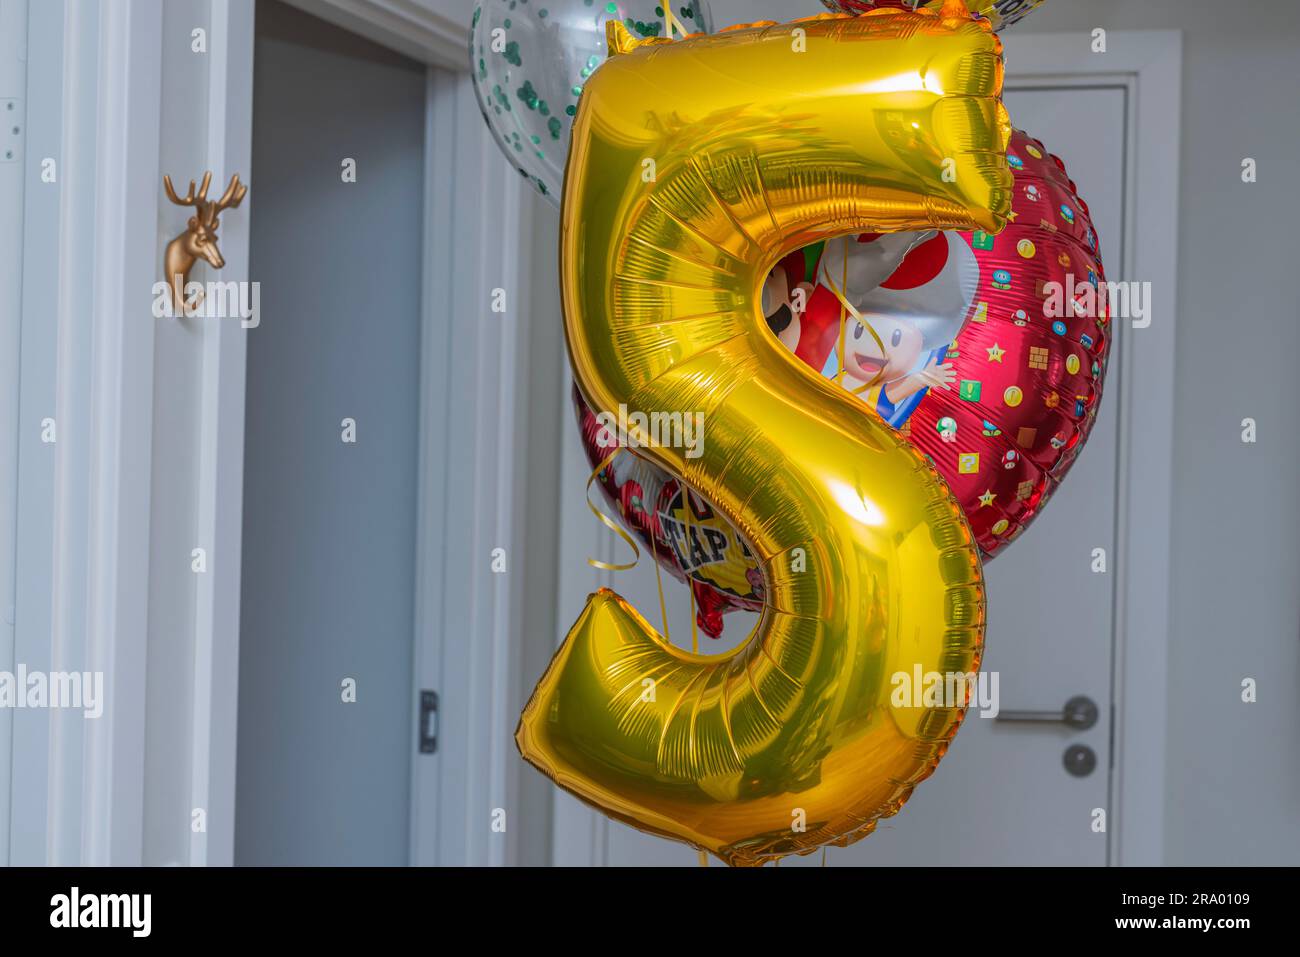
x=695, y=166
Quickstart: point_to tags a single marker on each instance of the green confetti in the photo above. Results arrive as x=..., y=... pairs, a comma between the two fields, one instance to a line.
x=528, y=95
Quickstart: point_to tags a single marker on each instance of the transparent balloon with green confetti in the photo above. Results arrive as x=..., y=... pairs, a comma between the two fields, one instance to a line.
x=531, y=58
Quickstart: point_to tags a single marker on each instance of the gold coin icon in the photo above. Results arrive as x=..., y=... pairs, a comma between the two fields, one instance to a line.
x=1026, y=248
x=1012, y=396
x=1000, y=526
x=1072, y=364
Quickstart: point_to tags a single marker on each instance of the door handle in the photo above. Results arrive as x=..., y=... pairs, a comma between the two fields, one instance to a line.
x=1079, y=713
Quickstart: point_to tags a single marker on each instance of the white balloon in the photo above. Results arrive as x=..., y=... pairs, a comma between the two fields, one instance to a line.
x=530, y=60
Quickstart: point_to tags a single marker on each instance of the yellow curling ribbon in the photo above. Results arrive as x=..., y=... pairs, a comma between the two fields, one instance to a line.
x=674, y=25
x=610, y=523
x=762, y=141
x=846, y=308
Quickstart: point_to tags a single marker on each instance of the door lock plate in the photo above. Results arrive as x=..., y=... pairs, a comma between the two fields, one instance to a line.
x=428, y=722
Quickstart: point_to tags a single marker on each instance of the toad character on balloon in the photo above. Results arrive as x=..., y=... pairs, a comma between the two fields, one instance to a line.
x=884, y=314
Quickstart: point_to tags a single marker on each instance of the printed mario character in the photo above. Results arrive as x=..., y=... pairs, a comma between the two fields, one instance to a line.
x=785, y=298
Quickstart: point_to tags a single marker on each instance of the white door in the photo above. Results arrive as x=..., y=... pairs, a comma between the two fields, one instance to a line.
x=1003, y=794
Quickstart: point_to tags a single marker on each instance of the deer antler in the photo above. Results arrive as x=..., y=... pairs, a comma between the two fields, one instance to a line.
x=232, y=197
x=190, y=199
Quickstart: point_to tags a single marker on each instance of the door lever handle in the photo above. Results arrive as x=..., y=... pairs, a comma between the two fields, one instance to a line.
x=1079, y=713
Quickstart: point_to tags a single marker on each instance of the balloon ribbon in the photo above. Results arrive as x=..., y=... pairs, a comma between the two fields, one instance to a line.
x=609, y=523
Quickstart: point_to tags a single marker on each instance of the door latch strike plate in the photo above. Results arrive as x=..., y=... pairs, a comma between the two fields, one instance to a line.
x=428, y=722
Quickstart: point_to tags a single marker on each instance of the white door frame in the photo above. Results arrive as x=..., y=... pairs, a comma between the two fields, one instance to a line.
x=89, y=569
x=1148, y=63
x=221, y=456
x=469, y=619
x=414, y=29
x=13, y=101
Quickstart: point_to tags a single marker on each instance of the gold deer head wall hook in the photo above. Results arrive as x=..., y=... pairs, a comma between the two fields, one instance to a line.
x=199, y=241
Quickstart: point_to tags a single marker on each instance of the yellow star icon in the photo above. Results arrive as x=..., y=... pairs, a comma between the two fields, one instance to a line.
x=987, y=498
x=996, y=352
x=1011, y=216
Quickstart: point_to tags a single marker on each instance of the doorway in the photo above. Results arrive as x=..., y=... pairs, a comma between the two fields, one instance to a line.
x=331, y=448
